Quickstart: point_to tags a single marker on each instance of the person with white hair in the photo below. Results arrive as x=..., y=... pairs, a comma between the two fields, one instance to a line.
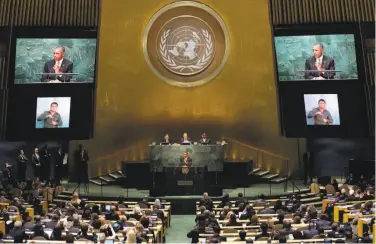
x=137, y=213
x=157, y=202
x=18, y=232
x=131, y=236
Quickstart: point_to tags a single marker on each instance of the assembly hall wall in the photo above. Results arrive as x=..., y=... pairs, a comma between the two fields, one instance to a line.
x=134, y=107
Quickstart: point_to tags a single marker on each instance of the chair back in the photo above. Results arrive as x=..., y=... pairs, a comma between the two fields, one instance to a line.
x=330, y=189
x=315, y=188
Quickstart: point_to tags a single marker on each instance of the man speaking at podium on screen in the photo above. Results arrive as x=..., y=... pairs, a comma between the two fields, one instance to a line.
x=319, y=62
x=58, y=65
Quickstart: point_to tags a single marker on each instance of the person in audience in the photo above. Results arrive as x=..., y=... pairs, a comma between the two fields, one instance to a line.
x=266, y=210
x=39, y=233
x=145, y=221
x=84, y=233
x=95, y=210
x=122, y=222
x=311, y=232
x=297, y=220
x=216, y=238
x=278, y=205
x=195, y=233
x=280, y=218
x=224, y=212
x=349, y=237
x=370, y=194
x=322, y=222
x=297, y=234
x=287, y=229
x=18, y=233
x=75, y=200
x=333, y=231
x=253, y=220
x=145, y=201
x=29, y=223
x=247, y=213
x=240, y=209
x=225, y=201
x=201, y=212
x=260, y=200
x=69, y=238
x=51, y=224
x=159, y=213
x=240, y=199
x=86, y=215
x=242, y=236
x=137, y=213
x=112, y=214
x=207, y=202
x=58, y=231
x=321, y=233
x=233, y=221
x=264, y=231
x=334, y=183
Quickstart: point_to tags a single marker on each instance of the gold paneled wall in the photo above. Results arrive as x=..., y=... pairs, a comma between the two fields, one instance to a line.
x=134, y=107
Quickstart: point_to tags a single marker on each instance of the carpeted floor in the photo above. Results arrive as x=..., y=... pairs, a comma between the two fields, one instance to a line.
x=180, y=226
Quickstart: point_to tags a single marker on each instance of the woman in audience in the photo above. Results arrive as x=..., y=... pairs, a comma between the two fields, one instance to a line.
x=140, y=233
x=225, y=201
x=75, y=200
x=229, y=215
x=137, y=213
x=233, y=221
x=131, y=236
x=253, y=220
x=247, y=213
x=122, y=222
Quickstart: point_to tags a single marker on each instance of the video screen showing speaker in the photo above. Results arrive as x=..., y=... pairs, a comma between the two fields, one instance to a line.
x=53, y=112
x=322, y=109
x=42, y=55
x=54, y=60
x=316, y=57
x=50, y=114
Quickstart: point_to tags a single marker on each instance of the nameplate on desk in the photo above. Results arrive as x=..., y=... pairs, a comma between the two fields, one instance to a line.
x=185, y=183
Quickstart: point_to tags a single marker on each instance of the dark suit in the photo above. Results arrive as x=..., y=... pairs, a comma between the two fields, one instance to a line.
x=188, y=139
x=58, y=166
x=207, y=141
x=45, y=168
x=18, y=234
x=327, y=64
x=36, y=164
x=169, y=142
x=82, y=166
x=22, y=159
x=66, y=67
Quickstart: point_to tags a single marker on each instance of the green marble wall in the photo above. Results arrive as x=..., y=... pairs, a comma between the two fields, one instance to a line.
x=293, y=51
x=31, y=55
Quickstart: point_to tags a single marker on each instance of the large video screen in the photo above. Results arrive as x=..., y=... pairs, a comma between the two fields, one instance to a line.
x=316, y=57
x=54, y=60
x=322, y=109
x=53, y=112
x=318, y=109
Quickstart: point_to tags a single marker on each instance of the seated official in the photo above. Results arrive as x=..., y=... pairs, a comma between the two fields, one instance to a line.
x=185, y=139
x=204, y=139
x=166, y=140
x=207, y=202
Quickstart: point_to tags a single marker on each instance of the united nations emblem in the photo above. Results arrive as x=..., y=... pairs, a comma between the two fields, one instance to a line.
x=186, y=44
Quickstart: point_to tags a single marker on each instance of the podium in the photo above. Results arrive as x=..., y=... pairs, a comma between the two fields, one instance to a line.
x=175, y=182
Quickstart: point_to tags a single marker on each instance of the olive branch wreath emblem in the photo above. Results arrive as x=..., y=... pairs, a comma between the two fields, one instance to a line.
x=199, y=64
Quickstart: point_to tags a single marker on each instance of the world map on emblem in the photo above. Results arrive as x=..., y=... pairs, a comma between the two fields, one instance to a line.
x=186, y=50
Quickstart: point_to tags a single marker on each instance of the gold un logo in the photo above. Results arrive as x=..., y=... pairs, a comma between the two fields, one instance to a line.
x=186, y=44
